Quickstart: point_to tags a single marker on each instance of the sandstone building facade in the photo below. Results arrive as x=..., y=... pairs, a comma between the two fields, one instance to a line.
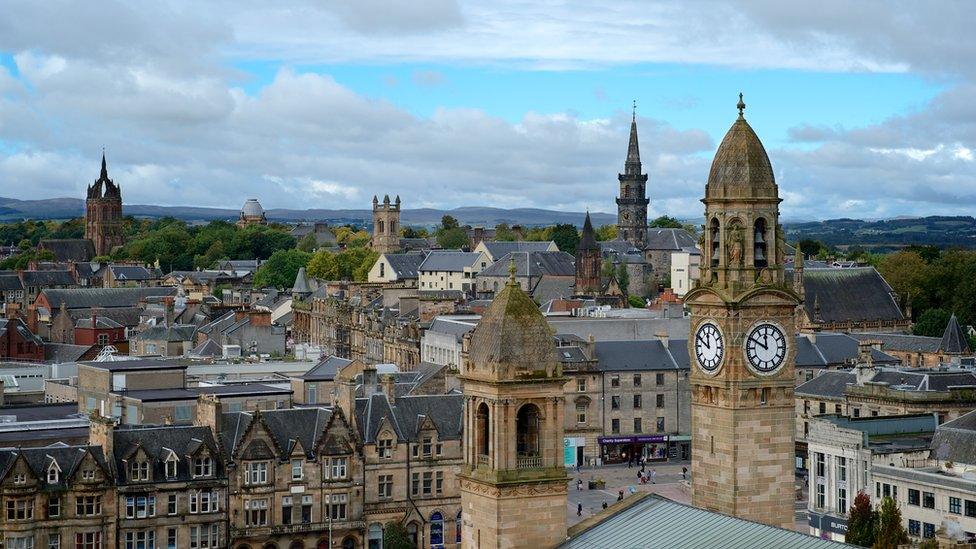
x=103, y=213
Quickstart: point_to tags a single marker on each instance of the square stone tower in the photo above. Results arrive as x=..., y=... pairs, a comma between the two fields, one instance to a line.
x=513, y=482
x=386, y=226
x=103, y=213
x=743, y=325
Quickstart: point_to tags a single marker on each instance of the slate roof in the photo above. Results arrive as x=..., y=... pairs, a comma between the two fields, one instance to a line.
x=405, y=265
x=902, y=342
x=449, y=326
x=132, y=272
x=191, y=393
x=669, y=239
x=925, y=380
x=639, y=355
x=830, y=384
x=406, y=414
x=10, y=282
x=158, y=442
x=69, y=249
x=502, y=248
x=22, y=329
x=838, y=349
x=553, y=287
x=209, y=348
x=126, y=316
x=138, y=364
x=86, y=298
x=448, y=260
x=177, y=332
x=100, y=322
x=533, y=264
x=301, y=283
x=849, y=294
x=285, y=426
x=60, y=353
x=67, y=457
x=47, y=278
x=955, y=440
x=954, y=340
x=655, y=521
x=39, y=412
x=326, y=369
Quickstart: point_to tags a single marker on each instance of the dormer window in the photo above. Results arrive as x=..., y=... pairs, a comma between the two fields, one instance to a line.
x=139, y=470
x=171, y=463
x=53, y=472
x=428, y=443
x=20, y=478
x=203, y=466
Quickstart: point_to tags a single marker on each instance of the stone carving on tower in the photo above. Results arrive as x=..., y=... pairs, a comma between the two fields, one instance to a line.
x=588, y=262
x=632, y=202
x=103, y=213
x=513, y=482
x=743, y=326
x=386, y=226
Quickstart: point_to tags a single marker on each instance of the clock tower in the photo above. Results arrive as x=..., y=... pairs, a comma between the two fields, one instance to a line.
x=632, y=202
x=743, y=325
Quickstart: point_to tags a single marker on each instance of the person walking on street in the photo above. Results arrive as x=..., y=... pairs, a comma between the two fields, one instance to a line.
x=653, y=475
x=684, y=473
x=604, y=504
x=579, y=485
x=579, y=509
x=620, y=495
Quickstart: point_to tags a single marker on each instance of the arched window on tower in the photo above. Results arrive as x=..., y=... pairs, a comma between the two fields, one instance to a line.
x=626, y=191
x=715, y=240
x=483, y=432
x=760, y=239
x=393, y=228
x=436, y=530
x=527, y=431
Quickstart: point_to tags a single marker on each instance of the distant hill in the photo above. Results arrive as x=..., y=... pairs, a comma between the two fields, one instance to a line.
x=889, y=234
x=12, y=209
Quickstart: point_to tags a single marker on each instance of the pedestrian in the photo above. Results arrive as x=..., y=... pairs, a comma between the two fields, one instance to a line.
x=653, y=475
x=630, y=462
x=577, y=467
x=579, y=485
x=579, y=509
x=604, y=504
x=620, y=495
x=684, y=473
x=640, y=475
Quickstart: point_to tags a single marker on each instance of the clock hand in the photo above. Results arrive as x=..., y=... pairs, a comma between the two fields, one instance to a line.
x=765, y=347
x=704, y=342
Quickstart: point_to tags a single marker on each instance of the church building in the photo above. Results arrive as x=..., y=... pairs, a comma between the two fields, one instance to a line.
x=103, y=213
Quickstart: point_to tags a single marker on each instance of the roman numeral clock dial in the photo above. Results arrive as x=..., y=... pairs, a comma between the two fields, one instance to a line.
x=709, y=347
x=765, y=348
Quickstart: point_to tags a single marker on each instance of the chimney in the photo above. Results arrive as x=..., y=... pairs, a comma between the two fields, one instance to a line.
x=663, y=336
x=864, y=353
x=170, y=313
x=101, y=433
x=369, y=380
x=389, y=387
x=209, y=411
x=94, y=318
x=239, y=314
x=260, y=317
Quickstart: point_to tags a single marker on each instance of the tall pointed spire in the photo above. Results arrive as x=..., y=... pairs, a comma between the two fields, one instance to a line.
x=633, y=163
x=104, y=174
x=954, y=340
x=588, y=238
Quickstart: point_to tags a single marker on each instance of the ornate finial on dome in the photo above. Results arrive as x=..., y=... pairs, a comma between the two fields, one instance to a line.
x=511, y=271
x=633, y=114
x=741, y=105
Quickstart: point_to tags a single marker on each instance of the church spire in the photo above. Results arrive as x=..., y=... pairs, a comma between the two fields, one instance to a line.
x=104, y=174
x=633, y=163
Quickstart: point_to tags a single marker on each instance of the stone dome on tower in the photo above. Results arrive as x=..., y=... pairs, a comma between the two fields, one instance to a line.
x=252, y=213
x=741, y=167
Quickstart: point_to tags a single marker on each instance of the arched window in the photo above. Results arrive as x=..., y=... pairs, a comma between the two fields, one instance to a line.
x=348, y=543
x=483, y=429
x=380, y=231
x=626, y=191
x=527, y=429
x=413, y=532
x=760, y=239
x=393, y=227
x=457, y=528
x=715, y=240
x=436, y=530
x=375, y=536
x=296, y=545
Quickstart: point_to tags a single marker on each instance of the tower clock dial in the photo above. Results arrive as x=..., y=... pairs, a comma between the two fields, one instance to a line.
x=765, y=348
x=709, y=347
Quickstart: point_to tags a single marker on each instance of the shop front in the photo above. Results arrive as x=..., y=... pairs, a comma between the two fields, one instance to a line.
x=624, y=449
x=573, y=451
x=679, y=447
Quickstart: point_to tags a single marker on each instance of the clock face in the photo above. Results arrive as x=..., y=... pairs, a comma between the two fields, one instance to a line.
x=626, y=215
x=766, y=348
x=709, y=347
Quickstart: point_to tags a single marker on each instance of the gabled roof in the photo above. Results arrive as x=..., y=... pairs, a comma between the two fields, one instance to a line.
x=100, y=322
x=499, y=249
x=132, y=272
x=901, y=342
x=954, y=340
x=177, y=332
x=285, y=426
x=405, y=265
x=209, y=348
x=407, y=413
x=449, y=260
x=39, y=459
x=830, y=384
x=158, y=442
x=21, y=328
x=955, y=440
x=69, y=249
x=533, y=264
x=326, y=369
x=669, y=239
x=48, y=278
x=86, y=298
x=848, y=294
x=639, y=355
x=10, y=282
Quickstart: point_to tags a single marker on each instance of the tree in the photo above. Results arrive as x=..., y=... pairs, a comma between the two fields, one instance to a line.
x=395, y=536
x=453, y=238
x=413, y=232
x=280, y=270
x=666, y=222
x=623, y=277
x=565, y=237
x=889, y=533
x=448, y=222
x=505, y=233
x=308, y=243
x=810, y=247
x=907, y=273
x=606, y=232
x=349, y=264
x=636, y=302
x=861, y=522
x=932, y=323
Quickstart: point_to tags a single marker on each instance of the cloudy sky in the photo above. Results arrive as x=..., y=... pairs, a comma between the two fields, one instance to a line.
x=866, y=108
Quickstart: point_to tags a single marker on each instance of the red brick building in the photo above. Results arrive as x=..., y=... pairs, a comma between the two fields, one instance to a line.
x=18, y=342
x=99, y=330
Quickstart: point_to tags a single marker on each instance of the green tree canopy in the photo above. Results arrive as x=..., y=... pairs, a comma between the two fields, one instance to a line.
x=606, y=232
x=280, y=270
x=349, y=264
x=505, y=233
x=395, y=536
x=666, y=222
x=861, y=522
x=636, y=302
x=308, y=243
x=811, y=248
x=889, y=533
x=623, y=277
x=566, y=237
x=448, y=222
x=932, y=323
x=453, y=238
